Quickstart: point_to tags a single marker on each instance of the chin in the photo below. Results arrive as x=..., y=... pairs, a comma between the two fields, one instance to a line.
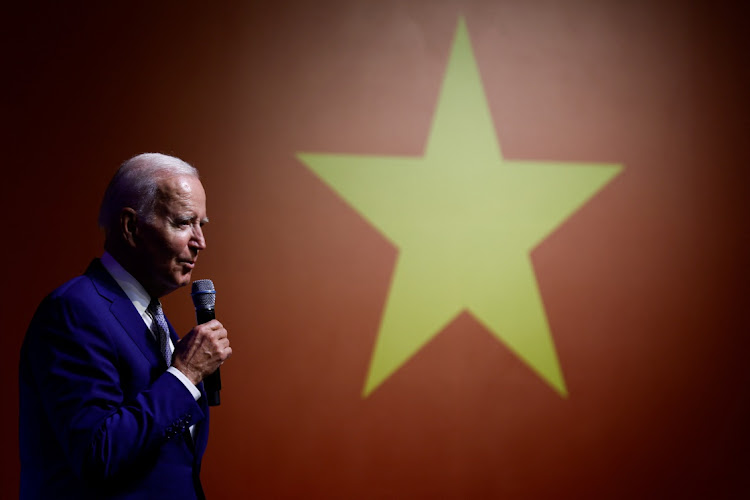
x=176, y=281
x=184, y=279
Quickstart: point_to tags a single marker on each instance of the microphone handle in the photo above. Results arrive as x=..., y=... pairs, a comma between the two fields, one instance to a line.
x=211, y=383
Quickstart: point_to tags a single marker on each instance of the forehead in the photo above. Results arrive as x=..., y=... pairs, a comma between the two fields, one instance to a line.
x=181, y=192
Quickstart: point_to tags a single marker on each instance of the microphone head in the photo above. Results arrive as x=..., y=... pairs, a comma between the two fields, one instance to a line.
x=203, y=294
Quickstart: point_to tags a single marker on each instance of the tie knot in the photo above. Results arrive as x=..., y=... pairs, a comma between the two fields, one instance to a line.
x=154, y=307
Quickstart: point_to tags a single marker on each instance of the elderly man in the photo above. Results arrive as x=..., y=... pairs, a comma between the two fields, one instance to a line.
x=111, y=402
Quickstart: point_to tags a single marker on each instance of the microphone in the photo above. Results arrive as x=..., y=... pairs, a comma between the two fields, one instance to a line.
x=204, y=299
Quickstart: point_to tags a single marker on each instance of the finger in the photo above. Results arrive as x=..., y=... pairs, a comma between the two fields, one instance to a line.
x=218, y=333
x=209, y=325
x=210, y=329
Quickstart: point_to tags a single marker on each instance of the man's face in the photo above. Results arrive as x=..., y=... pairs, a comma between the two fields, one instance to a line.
x=170, y=242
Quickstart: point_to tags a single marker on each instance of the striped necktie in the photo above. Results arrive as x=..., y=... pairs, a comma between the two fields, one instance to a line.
x=161, y=329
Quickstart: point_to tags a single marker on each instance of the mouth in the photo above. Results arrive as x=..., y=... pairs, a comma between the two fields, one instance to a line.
x=190, y=264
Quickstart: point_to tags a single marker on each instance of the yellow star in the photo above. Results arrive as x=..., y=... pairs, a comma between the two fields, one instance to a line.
x=465, y=221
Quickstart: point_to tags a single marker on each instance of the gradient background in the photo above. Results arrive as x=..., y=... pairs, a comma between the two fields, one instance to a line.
x=646, y=287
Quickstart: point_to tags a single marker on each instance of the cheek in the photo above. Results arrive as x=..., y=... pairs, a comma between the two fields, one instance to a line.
x=178, y=246
x=166, y=251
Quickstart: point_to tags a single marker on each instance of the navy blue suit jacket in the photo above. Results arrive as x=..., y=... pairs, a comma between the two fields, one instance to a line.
x=99, y=415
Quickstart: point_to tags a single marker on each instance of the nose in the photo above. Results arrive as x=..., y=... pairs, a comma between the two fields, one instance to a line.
x=198, y=241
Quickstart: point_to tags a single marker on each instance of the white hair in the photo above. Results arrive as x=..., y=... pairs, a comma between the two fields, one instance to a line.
x=135, y=185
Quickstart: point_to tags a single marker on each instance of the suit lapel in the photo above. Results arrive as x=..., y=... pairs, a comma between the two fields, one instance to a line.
x=172, y=333
x=124, y=312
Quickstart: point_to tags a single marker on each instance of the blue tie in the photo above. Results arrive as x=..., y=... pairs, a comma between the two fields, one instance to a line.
x=161, y=329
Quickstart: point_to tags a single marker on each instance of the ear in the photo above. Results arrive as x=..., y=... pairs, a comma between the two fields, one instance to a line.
x=129, y=226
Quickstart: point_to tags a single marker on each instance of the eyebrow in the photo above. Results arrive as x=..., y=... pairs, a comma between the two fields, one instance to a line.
x=189, y=216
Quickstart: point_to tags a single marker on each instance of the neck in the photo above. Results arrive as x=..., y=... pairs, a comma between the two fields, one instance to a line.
x=133, y=264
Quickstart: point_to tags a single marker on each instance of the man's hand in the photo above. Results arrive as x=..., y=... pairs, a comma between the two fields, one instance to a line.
x=202, y=351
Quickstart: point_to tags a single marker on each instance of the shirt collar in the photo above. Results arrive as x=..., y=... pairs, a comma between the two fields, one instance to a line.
x=134, y=290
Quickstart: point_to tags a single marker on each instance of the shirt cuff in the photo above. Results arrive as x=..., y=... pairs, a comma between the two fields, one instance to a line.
x=185, y=381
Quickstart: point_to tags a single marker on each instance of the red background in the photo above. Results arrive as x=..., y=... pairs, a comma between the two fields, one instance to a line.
x=646, y=288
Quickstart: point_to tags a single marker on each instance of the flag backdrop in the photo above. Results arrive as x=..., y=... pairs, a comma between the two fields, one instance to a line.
x=478, y=249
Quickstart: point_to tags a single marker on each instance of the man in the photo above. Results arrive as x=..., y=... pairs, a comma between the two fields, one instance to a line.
x=111, y=402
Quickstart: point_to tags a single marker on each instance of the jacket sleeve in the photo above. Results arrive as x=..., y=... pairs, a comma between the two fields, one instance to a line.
x=77, y=369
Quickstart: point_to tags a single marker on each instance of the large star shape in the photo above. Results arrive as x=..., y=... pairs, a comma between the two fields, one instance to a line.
x=464, y=221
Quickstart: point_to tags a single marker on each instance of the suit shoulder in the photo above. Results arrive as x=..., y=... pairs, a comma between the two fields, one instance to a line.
x=89, y=284
x=79, y=290
x=74, y=297
x=74, y=287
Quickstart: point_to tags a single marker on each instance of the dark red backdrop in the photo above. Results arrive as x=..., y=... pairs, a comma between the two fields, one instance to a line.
x=646, y=291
